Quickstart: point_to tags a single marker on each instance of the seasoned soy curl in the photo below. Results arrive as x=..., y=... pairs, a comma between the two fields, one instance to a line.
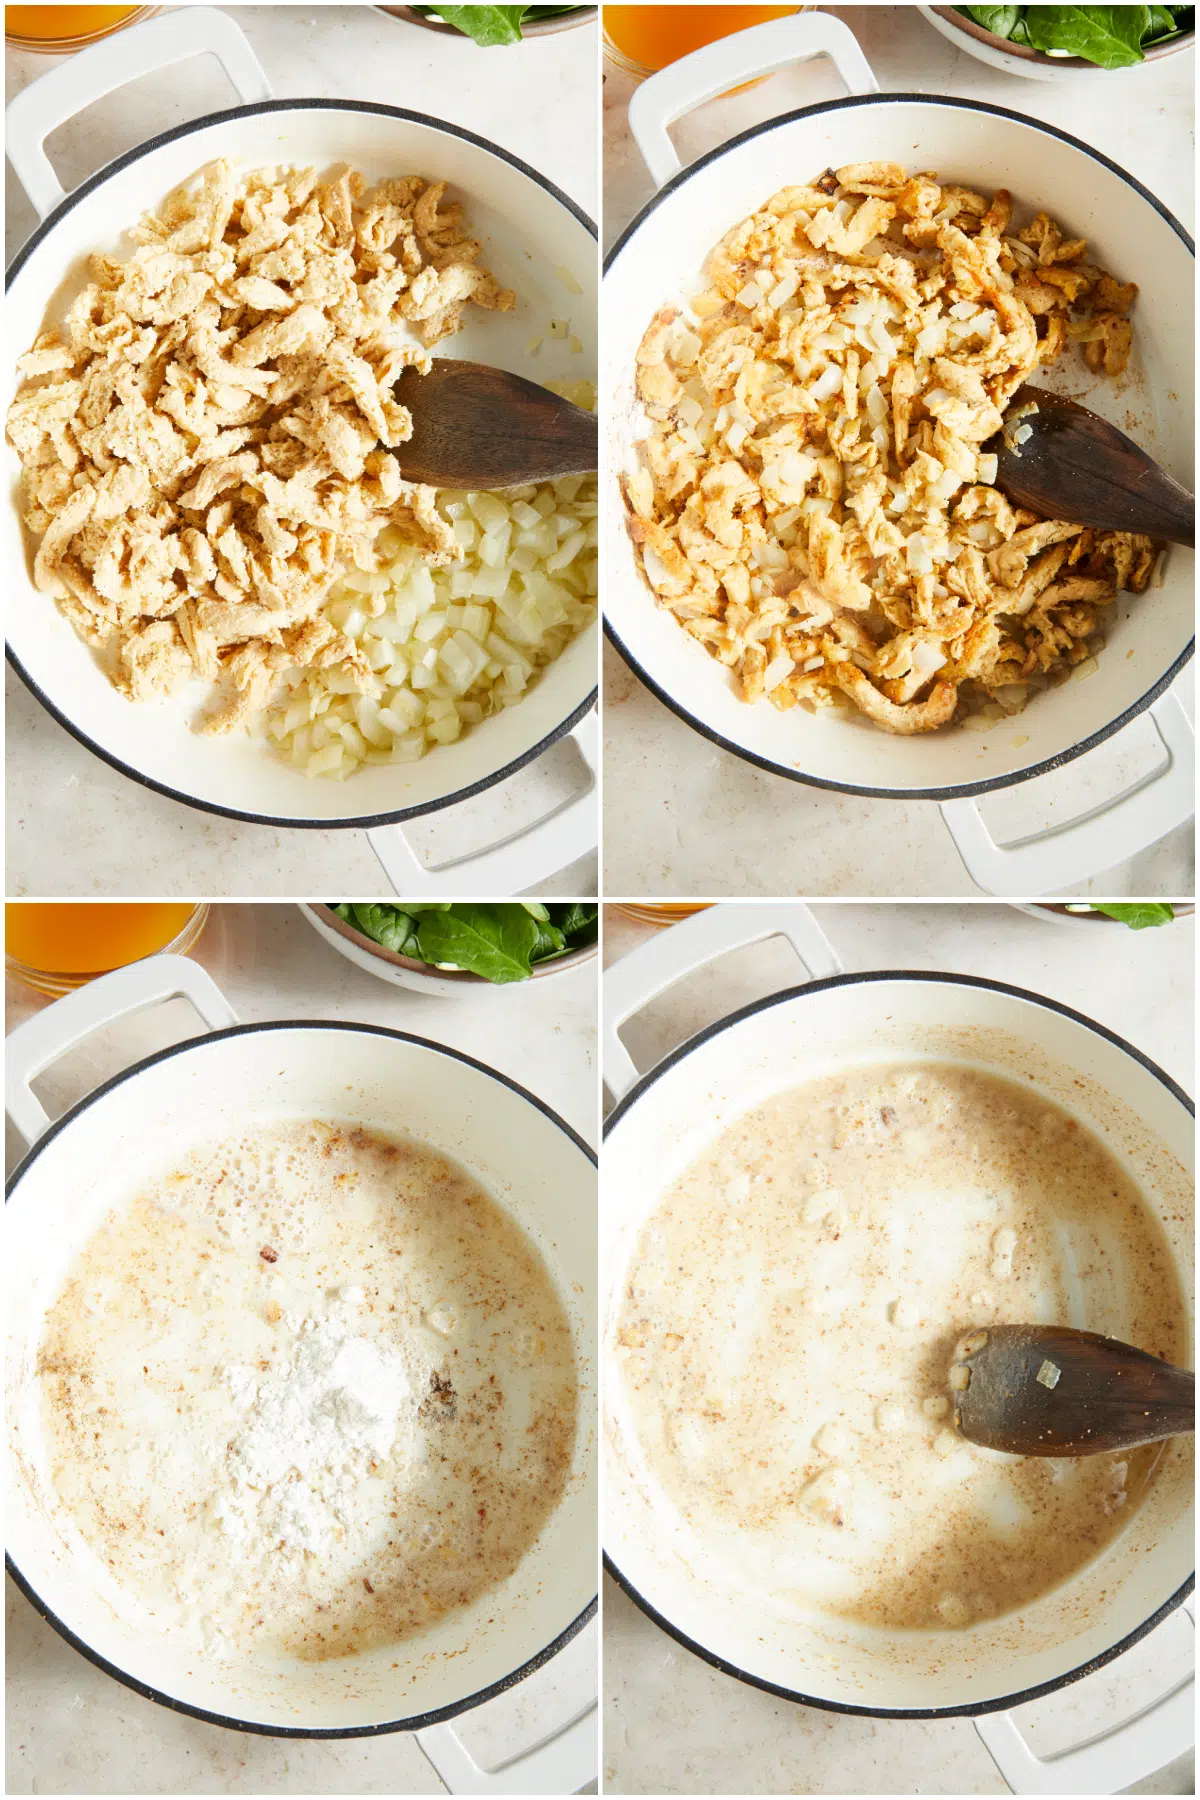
x=206, y=441
x=813, y=501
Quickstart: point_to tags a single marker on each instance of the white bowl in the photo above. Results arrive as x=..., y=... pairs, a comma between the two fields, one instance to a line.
x=1033, y=65
x=409, y=972
x=1045, y=912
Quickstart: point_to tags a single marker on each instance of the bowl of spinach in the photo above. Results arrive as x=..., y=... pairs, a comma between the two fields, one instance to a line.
x=1051, y=43
x=492, y=25
x=452, y=948
x=1134, y=915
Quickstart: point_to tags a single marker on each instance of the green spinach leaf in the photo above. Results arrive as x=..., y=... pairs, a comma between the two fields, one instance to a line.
x=500, y=942
x=550, y=942
x=496, y=942
x=1109, y=36
x=488, y=25
x=999, y=19
x=1139, y=915
x=1168, y=22
x=578, y=921
x=390, y=926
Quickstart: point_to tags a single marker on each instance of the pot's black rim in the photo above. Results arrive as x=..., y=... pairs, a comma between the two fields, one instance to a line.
x=416, y=1722
x=360, y=821
x=972, y=1709
x=961, y=790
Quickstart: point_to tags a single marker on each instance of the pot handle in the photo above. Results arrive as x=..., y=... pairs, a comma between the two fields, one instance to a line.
x=513, y=866
x=1106, y=1764
x=633, y=982
x=79, y=80
x=561, y=1764
x=40, y=1041
x=729, y=62
x=1062, y=858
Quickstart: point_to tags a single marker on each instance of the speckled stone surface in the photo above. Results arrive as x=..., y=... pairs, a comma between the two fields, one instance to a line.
x=77, y=827
x=675, y=1725
x=72, y=1729
x=722, y=827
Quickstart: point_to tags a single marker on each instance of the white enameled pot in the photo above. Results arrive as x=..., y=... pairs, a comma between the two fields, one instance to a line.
x=661, y=257
x=530, y=231
x=229, y=1079
x=661, y=1123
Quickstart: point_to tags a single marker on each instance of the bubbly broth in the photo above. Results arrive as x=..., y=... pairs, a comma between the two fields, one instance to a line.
x=789, y=1318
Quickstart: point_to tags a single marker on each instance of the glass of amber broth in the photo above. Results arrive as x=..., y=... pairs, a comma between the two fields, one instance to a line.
x=642, y=39
x=58, y=29
x=665, y=913
x=57, y=945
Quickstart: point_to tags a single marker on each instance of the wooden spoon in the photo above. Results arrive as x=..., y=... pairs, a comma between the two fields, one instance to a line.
x=1046, y=1390
x=477, y=427
x=1075, y=465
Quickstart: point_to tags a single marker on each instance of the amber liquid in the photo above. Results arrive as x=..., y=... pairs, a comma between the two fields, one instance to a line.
x=64, y=938
x=54, y=24
x=654, y=36
x=667, y=912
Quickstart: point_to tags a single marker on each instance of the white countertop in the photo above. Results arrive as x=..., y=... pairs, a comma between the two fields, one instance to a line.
x=672, y=1723
x=723, y=826
x=72, y=1729
x=75, y=826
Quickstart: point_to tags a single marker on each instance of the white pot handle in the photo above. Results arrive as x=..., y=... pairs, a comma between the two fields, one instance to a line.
x=511, y=867
x=560, y=1764
x=633, y=982
x=1106, y=1764
x=79, y=80
x=1065, y=856
x=729, y=62
x=49, y=1034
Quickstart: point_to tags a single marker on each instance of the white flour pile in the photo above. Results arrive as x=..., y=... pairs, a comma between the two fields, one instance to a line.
x=317, y=1422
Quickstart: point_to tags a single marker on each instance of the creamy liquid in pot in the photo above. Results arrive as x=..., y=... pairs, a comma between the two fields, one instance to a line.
x=310, y=1390
x=788, y=1323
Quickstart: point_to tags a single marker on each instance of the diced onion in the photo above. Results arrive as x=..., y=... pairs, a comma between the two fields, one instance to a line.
x=827, y=383
x=451, y=645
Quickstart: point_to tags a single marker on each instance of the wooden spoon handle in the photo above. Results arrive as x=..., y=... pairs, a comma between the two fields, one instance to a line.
x=1105, y=1396
x=479, y=427
x=1075, y=465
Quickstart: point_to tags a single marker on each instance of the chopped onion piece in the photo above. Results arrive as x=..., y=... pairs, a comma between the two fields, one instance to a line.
x=446, y=647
